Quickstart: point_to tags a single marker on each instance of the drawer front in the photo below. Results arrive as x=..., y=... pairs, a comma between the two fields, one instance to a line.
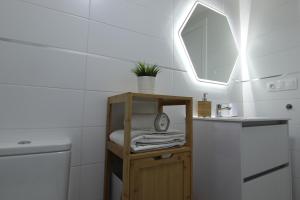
x=263, y=148
x=274, y=186
x=164, y=178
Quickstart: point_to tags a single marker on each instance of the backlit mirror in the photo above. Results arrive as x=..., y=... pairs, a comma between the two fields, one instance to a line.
x=209, y=44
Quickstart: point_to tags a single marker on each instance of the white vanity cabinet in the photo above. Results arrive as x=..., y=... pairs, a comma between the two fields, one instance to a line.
x=241, y=159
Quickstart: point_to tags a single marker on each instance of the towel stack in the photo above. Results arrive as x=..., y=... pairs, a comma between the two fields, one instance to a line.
x=144, y=135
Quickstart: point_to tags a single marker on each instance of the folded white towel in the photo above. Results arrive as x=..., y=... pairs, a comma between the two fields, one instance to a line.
x=142, y=140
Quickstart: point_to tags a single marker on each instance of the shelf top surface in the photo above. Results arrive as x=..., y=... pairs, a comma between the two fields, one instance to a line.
x=149, y=97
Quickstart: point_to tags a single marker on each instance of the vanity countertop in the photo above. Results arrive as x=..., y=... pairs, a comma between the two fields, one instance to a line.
x=240, y=119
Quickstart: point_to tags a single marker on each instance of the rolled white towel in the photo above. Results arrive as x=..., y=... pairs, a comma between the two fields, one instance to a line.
x=143, y=121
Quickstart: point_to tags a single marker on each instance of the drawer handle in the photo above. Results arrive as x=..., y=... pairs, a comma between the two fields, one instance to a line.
x=163, y=156
x=269, y=171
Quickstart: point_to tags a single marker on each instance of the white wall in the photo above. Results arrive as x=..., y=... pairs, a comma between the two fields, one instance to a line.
x=61, y=59
x=274, y=48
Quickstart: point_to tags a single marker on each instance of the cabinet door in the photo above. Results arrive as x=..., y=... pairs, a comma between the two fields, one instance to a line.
x=161, y=178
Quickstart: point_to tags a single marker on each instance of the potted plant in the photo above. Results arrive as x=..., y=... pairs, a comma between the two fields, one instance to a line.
x=146, y=75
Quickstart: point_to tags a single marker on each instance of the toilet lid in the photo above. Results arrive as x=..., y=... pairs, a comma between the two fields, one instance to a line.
x=26, y=144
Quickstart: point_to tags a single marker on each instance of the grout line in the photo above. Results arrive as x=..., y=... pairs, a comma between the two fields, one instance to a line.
x=60, y=88
x=90, y=5
x=162, y=38
x=77, y=165
x=70, y=14
x=37, y=86
x=279, y=51
x=89, y=19
x=52, y=128
x=85, y=74
x=92, y=163
x=15, y=41
x=46, y=128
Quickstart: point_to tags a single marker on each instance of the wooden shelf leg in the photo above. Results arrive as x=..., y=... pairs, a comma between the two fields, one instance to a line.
x=126, y=149
x=126, y=179
x=107, y=175
x=108, y=156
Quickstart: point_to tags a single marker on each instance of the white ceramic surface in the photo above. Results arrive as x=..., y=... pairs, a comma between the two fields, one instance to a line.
x=39, y=170
x=146, y=84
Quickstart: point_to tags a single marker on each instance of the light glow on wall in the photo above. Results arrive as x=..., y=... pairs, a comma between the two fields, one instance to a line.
x=248, y=97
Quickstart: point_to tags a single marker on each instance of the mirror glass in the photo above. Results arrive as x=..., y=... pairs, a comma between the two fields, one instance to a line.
x=209, y=43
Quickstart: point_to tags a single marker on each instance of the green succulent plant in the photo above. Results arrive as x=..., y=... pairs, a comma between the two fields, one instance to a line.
x=143, y=69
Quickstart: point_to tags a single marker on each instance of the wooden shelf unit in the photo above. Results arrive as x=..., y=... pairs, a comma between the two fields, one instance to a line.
x=149, y=163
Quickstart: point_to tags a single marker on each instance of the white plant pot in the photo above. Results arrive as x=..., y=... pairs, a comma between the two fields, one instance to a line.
x=146, y=84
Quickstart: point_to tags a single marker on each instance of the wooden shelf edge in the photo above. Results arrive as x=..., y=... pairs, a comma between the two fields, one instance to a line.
x=115, y=149
x=154, y=153
x=118, y=151
x=166, y=99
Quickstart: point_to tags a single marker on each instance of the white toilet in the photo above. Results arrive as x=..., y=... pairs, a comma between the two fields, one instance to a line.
x=36, y=169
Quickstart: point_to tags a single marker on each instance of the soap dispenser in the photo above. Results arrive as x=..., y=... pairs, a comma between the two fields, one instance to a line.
x=204, y=107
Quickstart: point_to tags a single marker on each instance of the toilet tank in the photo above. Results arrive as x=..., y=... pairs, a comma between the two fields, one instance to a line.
x=36, y=169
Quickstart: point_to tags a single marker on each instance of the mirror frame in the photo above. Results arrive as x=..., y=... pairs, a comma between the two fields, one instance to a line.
x=186, y=51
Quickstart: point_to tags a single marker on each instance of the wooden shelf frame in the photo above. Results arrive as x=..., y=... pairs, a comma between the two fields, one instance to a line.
x=124, y=152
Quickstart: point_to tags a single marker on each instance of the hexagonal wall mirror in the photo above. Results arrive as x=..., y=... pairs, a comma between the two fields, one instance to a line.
x=209, y=43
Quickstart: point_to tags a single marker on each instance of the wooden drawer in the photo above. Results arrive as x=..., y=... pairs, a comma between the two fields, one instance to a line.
x=166, y=177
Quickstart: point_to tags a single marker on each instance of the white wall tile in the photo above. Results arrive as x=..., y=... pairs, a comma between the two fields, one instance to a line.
x=280, y=62
x=31, y=23
x=76, y=7
x=106, y=74
x=91, y=182
x=266, y=17
x=162, y=6
x=216, y=4
x=133, y=16
x=235, y=90
x=74, y=184
x=28, y=107
x=176, y=114
x=119, y=43
x=29, y=65
x=232, y=10
x=164, y=82
x=181, y=83
x=95, y=108
x=277, y=40
x=275, y=108
x=93, y=145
